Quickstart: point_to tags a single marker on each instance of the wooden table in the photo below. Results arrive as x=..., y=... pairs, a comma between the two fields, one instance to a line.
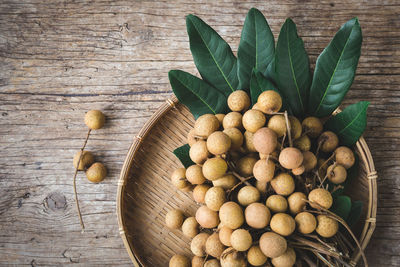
x=59, y=59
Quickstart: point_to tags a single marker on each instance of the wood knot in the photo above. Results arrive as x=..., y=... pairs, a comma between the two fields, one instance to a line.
x=55, y=201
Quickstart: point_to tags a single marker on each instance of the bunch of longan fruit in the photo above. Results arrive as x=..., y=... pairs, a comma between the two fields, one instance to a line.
x=260, y=177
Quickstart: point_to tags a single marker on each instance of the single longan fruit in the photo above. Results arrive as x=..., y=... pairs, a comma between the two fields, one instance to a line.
x=283, y=224
x=206, y=217
x=178, y=178
x=245, y=165
x=199, y=192
x=247, y=195
x=233, y=259
x=220, y=117
x=283, y=184
x=312, y=126
x=287, y=259
x=86, y=160
x=253, y=120
x=191, y=139
x=321, y=197
x=232, y=120
x=303, y=143
x=214, y=247
x=328, y=141
x=290, y=158
x=257, y=107
x=174, y=219
x=295, y=127
x=257, y=215
x=277, y=123
x=337, y=174
x=255, y=256
x=214, y=168
x=231, y=215
x=269, y=101
x=272, y=244
x=198, y=244
x=225, y=235
x=264, y=170
x=198, y=152
x=226, y=182
x=306, y=222
x=344, y=156
x=179, y=261
x=197, y=261
x=241, y=240
x=194, y=174
x=190, y=227
x=277, y=203
x=248, y=141
x=205, y=125
x=297, y=202
x=94, y=119
x=238, y=100
x=299, y=170
x=212, y=263
x=309, y=161
x=261, y=186
x=96, y=173
x=215, y=197
x=265, y=140
x=327, y=227
x=218, y=143
x=235, y=136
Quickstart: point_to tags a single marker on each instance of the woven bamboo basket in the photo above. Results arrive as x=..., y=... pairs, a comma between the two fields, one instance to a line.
x=145, y=192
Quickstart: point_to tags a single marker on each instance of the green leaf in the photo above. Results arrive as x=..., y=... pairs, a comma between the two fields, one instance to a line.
x=342, y=206
x=350, y=123
x=292, y=68
x=355, y=213
x=200, y=97
x=259, y=84
x=270, y=73
x=182, y=153
x=335, y=70
x=212, y=55
x=256, y=48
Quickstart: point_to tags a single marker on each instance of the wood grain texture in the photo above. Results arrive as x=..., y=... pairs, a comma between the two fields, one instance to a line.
x=59, y=59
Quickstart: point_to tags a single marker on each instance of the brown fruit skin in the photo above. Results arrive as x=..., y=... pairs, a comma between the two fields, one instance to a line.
x=257, y=215
x=309, y=161
x=226, y=182
x=220, y=117
x=214, y=247
x=297, y=202
x=245, y=165
x=345, y=157
x=194, y=174
x=277, y=123
x=232, y=120
x=215, y=197
x=218, y=143
x=174, y=219
x=306, y=222
x=95, y=119
x=261, y=186
x=233, y=259
x=290, y=158
x=96, y=173
x=272, y=244
x=231, y=215
x=277, y=203
x=179, y=261
x=199, y=192
x=320, y=196
x=214, y=168
x=299, y=170
x=327, y=227
x=198, y=244
x=328, y=141
x=303, y=143
x=212, y=263
x=255, y=256
x=257, y=107
x=235, y=136
x=295, y=127
x=206, y=217
x=197, y=261
x=247, y=195
x=253, y=120
x=248, y=141
x=238, y=101
x=337, y=174
x=86, y=160
x=191, y=139
x=190, y=227
x=198, y=152
x=225, y=235
x=178, y=178
x=241, y=240
x=205, y=125
x=269, y=102
x=312, y=126
x=265, y=140
x=283, y=224
x=288, y=259
x=283, y=184
x=264, y=170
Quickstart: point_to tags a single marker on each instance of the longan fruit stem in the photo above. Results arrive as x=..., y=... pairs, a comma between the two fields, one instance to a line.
x=76, y=172
x=288, y=129
x=242, y=179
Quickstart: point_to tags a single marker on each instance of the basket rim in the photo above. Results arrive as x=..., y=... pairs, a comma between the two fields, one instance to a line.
x=370, y=221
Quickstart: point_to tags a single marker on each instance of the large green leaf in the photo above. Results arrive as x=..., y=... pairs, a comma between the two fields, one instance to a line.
x=342, y=206
x=200, y=97
x=335, y=70
x=355, y=213
x=350, y=123
x=256, y=48
x=259, y=84
x=212, y=55
x=270, y=73
x=182, y=153
x=292, y=68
